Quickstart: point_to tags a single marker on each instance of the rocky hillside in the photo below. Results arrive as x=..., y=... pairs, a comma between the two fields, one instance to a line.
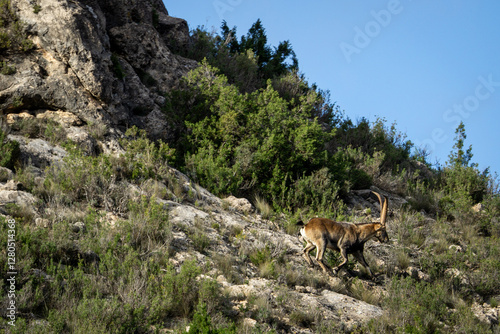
x=110, y=238
x=97, y=60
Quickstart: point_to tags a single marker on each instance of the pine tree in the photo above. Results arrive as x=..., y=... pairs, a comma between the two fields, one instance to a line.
x=459, y=157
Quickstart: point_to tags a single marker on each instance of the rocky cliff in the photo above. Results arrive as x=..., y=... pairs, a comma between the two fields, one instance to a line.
x=96, y=60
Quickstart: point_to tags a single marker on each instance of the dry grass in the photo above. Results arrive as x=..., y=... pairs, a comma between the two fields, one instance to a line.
x=366, y=293
x=263, y=207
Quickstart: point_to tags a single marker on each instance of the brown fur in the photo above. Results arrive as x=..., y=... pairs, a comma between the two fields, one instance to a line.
x=346, y=238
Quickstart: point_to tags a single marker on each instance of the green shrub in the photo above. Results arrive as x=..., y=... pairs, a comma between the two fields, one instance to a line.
x=147, y=228
x=200, y=240
x=416, y=307
x=97, y=130
x=37, y=8
x=202, y=323
x=6, y=69
x=117, y=67
x=250, y=144
x=260, y=256
x=318, y=191
x=83, y=178
x=419, y=307
x=9, y=150
x=229, y=266
x=13, y=36
x=175, y=294
x=485, y=254
x=143, y=158
x=48, y=129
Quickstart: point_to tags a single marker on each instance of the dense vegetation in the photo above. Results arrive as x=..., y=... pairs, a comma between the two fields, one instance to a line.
x=248, y=124
x=13, y=36
x=254, y=126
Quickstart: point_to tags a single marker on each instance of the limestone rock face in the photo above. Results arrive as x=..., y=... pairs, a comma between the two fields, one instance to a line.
x=240, y=204
x=97, y=60
x=38, y=152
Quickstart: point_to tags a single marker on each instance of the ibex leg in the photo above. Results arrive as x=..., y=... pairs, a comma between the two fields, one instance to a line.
x=309, y=247
x=361, y=259
x=319, y=256
x=343, y=253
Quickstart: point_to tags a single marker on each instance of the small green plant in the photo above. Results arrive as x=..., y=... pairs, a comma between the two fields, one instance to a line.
x=13, y=36
x=402, y=259
x=16, y=102
x=155, y=18
x=200, y=240
x=117, y=67
x=23, y=211
x=302, y=318
x=37, y=8
x=261, y=256
x=229, y=266
x=147, y=228
x=175, y=294
x=98, y=130
x=202, y=323
x=6, y=69
x=54, y=132
x=144, y=158
x=9, y=150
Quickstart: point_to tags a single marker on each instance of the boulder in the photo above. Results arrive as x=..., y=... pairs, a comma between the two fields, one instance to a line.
x=66, y=119
x=240, y=204
x=21, y=199
x=5, y=174
x=479, y=207
x=351, y=309
x=38, y=152
x=486, y=313
x=12, y=185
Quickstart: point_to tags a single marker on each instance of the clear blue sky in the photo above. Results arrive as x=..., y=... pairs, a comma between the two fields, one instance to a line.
x=426, y=65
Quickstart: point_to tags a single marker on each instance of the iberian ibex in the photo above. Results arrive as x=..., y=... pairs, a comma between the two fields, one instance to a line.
x=346, y=238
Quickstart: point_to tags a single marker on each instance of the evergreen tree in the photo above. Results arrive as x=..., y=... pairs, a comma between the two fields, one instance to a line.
x=229, y=38
x=256, y=40
x=459, y=157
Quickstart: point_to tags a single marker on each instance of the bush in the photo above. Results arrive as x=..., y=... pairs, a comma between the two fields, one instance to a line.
x=175, y=294
x=247, y=63
x=250, y=144
x=462, y=187
x=143, y=158
x=9, y=150
x=6, y=69
x=147, y=228
x=421, y=312
x=83, y=178
x=419, y=307
x=202, y=323
x=48, y=129
x=12, y=31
